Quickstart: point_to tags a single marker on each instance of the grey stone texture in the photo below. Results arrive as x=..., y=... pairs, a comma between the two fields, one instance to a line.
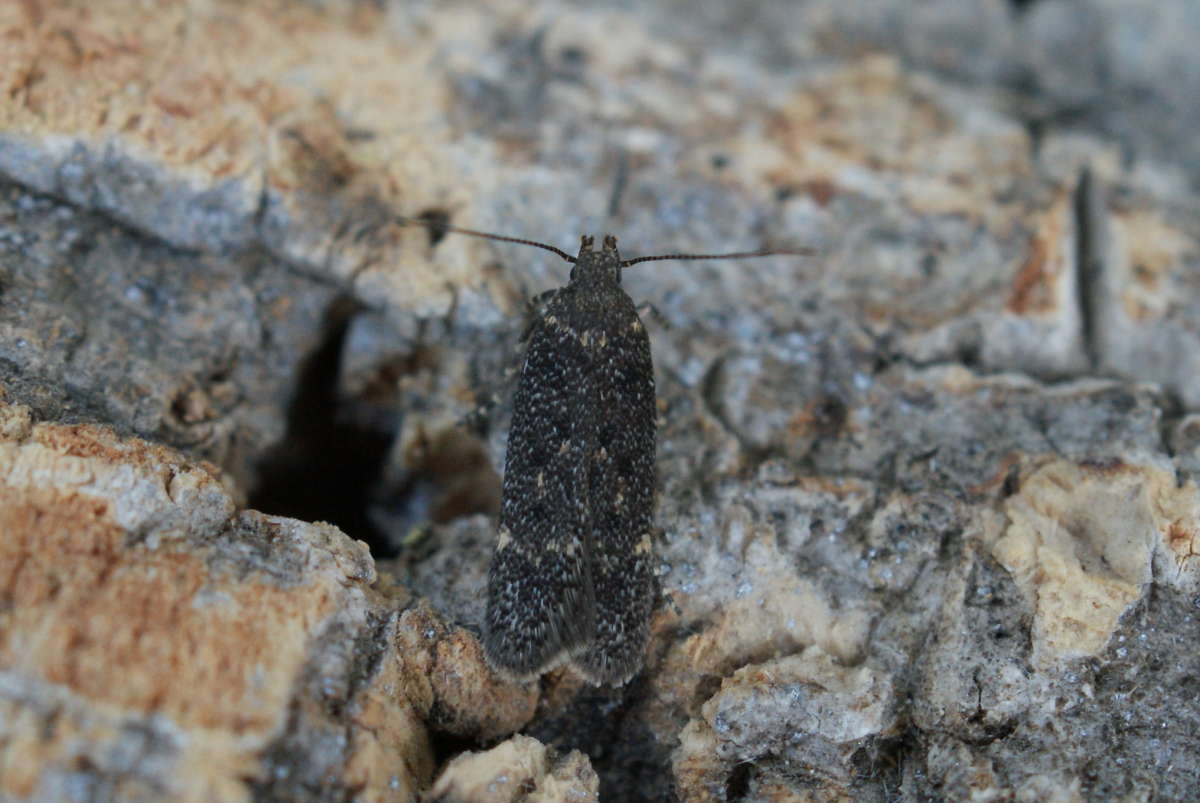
x=927, y=505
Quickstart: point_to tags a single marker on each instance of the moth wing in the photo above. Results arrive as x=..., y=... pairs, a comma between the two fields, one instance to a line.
x=621, y=486
x=541, y=604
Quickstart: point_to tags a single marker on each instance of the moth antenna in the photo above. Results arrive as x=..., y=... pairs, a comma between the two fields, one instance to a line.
x=768, y=252
x=437, y=225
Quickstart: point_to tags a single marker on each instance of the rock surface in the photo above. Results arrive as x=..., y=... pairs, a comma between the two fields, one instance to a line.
x=928, y=499
x=518, y=769
x=158, y=642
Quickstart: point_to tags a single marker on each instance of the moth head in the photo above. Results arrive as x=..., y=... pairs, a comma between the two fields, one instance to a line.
x=597, y=266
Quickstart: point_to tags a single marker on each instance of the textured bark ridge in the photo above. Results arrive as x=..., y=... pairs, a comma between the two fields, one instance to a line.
x=927, y=515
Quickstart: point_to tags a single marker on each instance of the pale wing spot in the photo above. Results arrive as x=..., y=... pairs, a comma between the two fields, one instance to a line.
x=504, y=539
x=602, y=454
x=644, y=546
x=635, y=325
x=565, y=447
x=541, y=480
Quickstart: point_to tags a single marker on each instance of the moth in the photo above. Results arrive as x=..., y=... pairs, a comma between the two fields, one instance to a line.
x=572, y=576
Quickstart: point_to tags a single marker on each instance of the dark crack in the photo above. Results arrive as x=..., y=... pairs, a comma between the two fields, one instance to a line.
x=1089, y=264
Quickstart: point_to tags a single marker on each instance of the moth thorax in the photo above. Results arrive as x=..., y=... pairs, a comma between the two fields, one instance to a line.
x=597, y=267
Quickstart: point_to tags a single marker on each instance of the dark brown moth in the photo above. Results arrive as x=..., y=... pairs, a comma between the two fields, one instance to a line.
x=572, y=577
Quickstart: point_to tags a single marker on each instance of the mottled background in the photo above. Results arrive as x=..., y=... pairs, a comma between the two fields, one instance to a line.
x=927, y=500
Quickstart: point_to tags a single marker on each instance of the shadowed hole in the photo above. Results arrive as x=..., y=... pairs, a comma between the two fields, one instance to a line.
x=323, y=468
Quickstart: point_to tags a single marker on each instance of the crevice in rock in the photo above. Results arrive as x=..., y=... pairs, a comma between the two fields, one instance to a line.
x=710, y=396
x=620, y=184
x=607, y=725
x=324, y=467
x=882, y=761
x=1021, y=6
x=306, y=761
x=1172, y=411
x=371, y=644
x=1035, y=129
x=737, y=784
x=1089, y=265
x=714, y=404
x=448, y=746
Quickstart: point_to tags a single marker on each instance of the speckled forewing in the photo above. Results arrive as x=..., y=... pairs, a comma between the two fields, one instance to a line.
x=540, y=597
x=621, y=493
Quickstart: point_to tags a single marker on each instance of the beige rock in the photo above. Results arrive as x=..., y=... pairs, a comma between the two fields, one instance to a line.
x=1083, y=542
x=152, y=117
x=520, y=769
x=153, y=636
x=1147, y=332
x=1015, y=295
x=446, y=676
